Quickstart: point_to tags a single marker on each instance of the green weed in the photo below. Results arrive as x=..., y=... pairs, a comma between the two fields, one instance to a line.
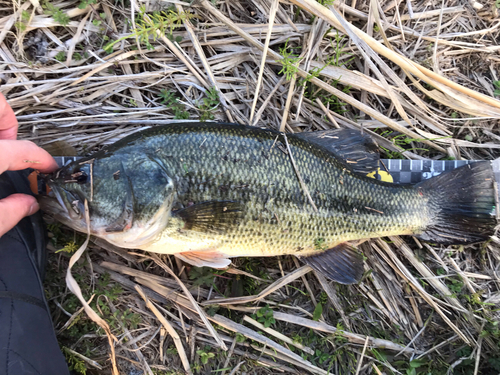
x=172, y=350
x=339, y=338
x=492, y=330
x=330, y=101
x=333, y=60
x=321, y=356
x=205, y=355
x=468, y=363
x=495, y=363
x=162, y=22
x=212, y=310
x=414, y=367
x=25, y=16
x=20, y=26
x=455, y=285
x=392, y=154
x=402, y=141
x=497, y=83
x=265, y=316
x=85, y=3
x=70, y=241
x=74, y=363
x=24, y=19
x=171, y=101
x=208, y=104
x=203, y=276
x=289, y=61
x=297, y=338
x=240, y=338
x=56, y=13
x=70, y=248
x=98, y=21
x=318, y=310
x=338, y=45
x=61, y=56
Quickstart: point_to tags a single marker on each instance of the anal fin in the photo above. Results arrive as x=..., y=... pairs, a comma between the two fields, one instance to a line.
x=210, y=258
x=342, y=263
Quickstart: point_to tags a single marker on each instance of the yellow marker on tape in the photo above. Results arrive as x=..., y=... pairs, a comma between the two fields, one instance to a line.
x=384, y=176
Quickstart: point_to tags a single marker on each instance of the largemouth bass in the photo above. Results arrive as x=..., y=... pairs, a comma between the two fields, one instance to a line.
x=207, y=192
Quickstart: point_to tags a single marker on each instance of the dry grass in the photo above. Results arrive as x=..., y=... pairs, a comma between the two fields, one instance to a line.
x=419, y=76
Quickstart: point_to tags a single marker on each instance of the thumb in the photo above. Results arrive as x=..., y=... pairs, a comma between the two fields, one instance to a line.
x=14, y=208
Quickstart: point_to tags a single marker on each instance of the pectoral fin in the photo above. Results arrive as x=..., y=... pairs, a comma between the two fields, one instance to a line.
x=213, y=216
x=342, y=263
x=208, y=258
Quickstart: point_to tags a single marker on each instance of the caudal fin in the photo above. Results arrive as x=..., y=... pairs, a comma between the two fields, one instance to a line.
x=463, y=203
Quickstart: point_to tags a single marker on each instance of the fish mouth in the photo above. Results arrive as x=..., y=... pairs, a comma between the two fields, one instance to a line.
x=64, y=207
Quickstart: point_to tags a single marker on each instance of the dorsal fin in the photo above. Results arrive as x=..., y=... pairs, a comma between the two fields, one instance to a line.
x=354, y=148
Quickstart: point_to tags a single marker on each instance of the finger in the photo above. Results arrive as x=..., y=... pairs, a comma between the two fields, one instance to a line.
x=18, y=155
x=8, y=121
x=14, y=208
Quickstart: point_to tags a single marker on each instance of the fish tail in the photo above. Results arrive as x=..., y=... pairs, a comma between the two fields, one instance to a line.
x=462, y=205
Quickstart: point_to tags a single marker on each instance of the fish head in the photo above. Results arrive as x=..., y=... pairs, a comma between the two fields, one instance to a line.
x=69, y=187
x=129, y=197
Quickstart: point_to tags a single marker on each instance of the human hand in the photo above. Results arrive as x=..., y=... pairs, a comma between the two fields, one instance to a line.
x=18, y=155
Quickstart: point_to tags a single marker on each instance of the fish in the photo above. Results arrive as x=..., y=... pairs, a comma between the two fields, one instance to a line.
x=209, y=192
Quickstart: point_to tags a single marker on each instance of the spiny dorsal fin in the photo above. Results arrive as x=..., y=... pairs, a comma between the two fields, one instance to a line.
x=356, y=149
x=212, y=216
x=342, y=263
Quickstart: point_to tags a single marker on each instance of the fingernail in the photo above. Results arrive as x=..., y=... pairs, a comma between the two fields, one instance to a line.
x=33, y=208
